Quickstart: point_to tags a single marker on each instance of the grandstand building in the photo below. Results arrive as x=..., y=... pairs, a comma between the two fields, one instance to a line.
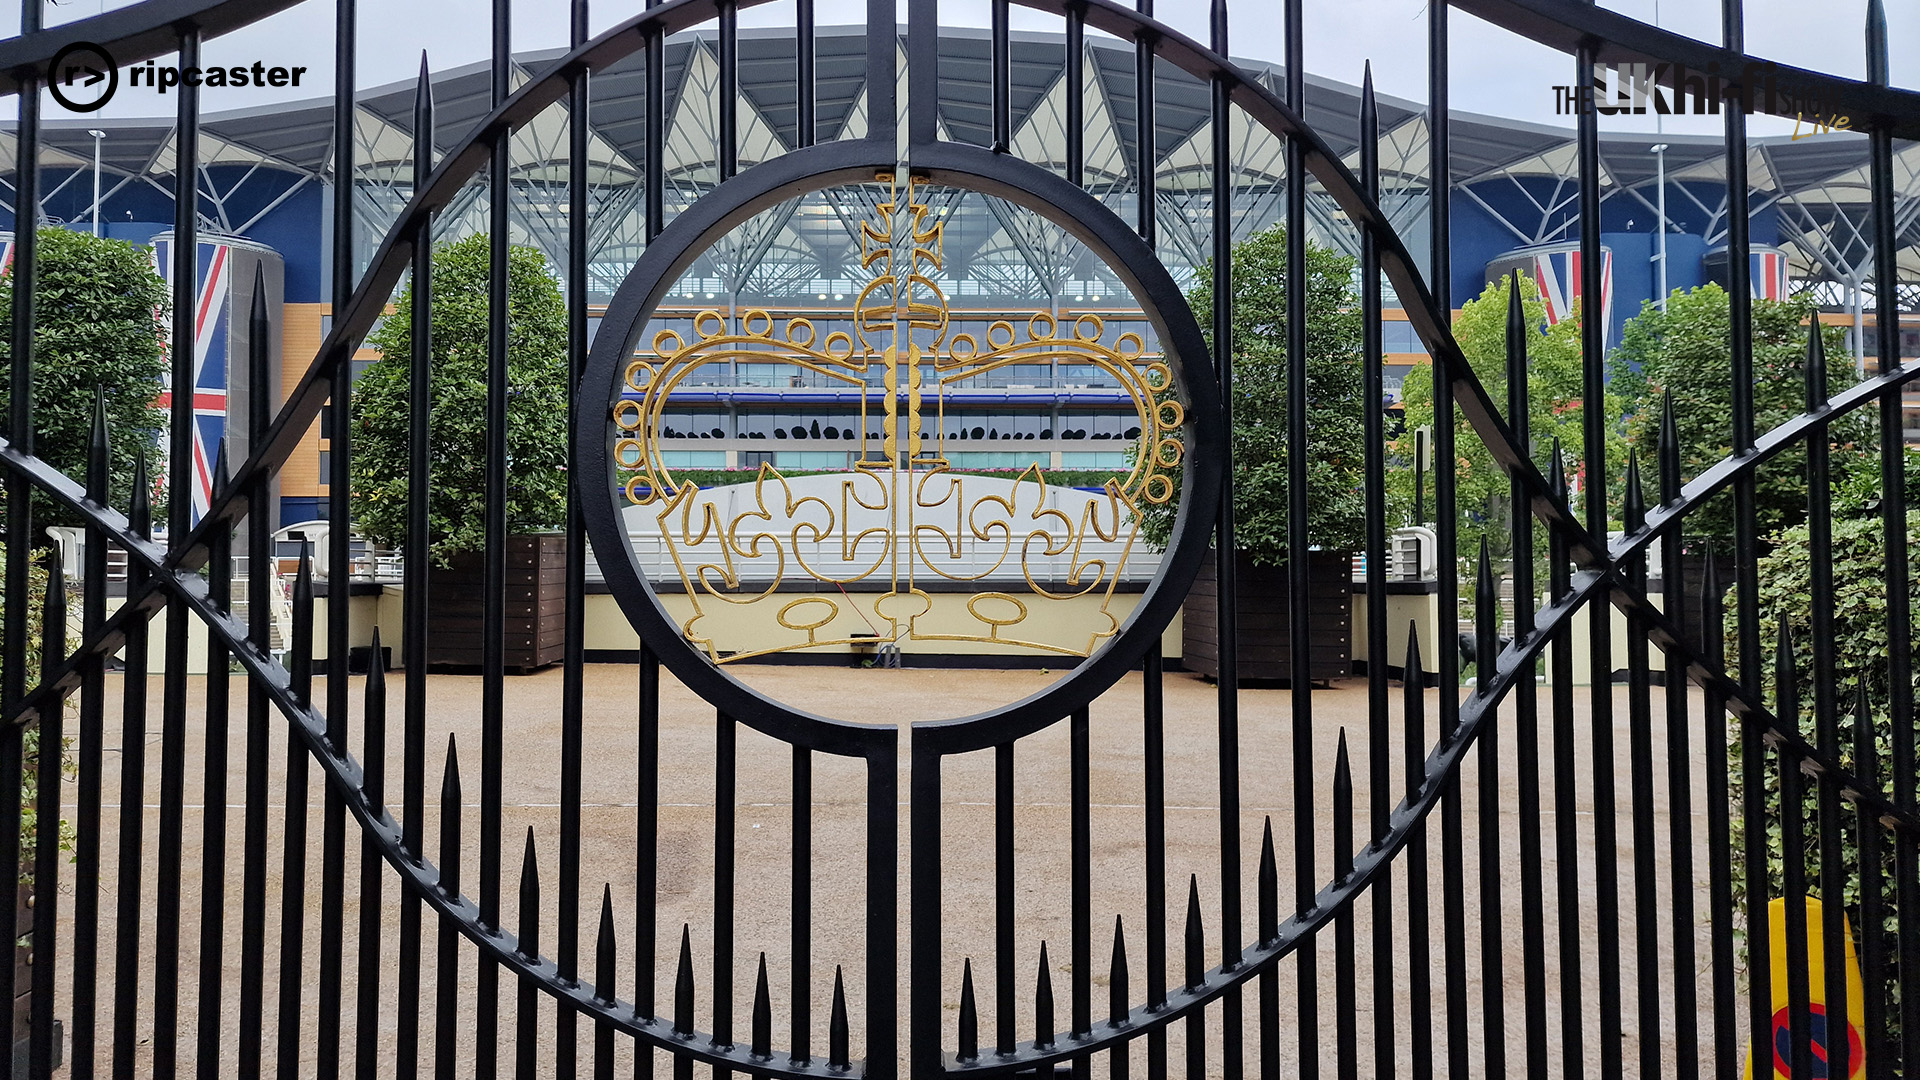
x=267, y=185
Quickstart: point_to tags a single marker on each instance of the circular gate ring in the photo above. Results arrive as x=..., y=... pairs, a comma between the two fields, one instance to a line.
x=859, y=161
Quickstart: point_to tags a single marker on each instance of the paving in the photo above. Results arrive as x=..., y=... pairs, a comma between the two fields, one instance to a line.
x=760, y=850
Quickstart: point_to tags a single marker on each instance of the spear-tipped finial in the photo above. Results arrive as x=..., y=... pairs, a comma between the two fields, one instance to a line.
x=762, y=1046
x=683, y=985
x=1557, y=472
x=1118, y=1004
x=1879, y=67
x=969, y=1030
x=1670, y=482
x=603, y=974
x=1043, y=1003
x=140, y=514
x=1486, y=640
x=1816, y=367
x=1196, y=935
x=1268, y=878
x=99, y=451
x=1633, y=501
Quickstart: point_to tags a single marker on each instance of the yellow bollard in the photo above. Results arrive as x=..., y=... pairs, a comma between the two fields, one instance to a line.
x=1780, y=1037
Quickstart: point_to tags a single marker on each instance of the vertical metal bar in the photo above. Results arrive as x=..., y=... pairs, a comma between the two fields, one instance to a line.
x=1873, y=911
x=1119, y=1001
x=683, y=1002
x=923, y=70
x=13, y=685
x=128, y=956
x=1419, y=948
x=1720, y=838
x=1226, y=552
x=1599, y=625
x=1793, y=859
x=883, y=910
x=526, y=1042
x=86, y=817
x=802, y=980
x=263, y=583
x=1566, y=812
x=654, y=138
x=1893, y=511
x=46, y=841
x=1267, y=888
x=213, y=802
x=373, y=758
x=447, y=970
x=1446, y=550
x=1686, y=1028
x=1646, y=901
x=1346, y=1039
x=999, y=67
x=725, y=797
x=418, y=577
x=293, y=843
x=924, y=899
x=806, y=94
x=1826, y=706
x=340, y=554
x=1299, y=575
x=1526, y=704
x=646, y=854
x=1075, y=78
x=1004, y=949
x=1745, y=532
x=1379, y=761
x=1154, y=753
x=573, y=658
x=180, y=481
x=1492, y=946
x=604, y=977
x=493, y=657
x=1081, y=796
x=729, y=158
x=1196, y=957
x=1146, y=153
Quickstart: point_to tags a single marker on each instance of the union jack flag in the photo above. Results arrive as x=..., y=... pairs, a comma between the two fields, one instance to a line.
x=1769, y=274
x=211, y=312
x=1558, y=275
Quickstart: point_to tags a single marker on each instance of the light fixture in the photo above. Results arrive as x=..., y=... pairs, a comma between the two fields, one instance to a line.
x=97, y=136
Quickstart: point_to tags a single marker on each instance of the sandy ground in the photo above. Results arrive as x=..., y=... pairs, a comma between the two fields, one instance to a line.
x=761, y=853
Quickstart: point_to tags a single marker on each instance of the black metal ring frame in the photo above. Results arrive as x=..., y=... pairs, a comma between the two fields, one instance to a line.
x=135, y=31
x=995, y=174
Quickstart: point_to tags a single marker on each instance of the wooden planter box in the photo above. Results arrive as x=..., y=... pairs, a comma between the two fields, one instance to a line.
x=1265, y=644
x=536, y=625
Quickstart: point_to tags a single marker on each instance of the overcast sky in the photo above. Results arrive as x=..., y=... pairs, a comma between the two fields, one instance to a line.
x=1494, y=72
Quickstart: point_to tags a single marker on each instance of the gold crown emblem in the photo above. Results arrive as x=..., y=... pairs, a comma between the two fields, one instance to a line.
x=901, y=522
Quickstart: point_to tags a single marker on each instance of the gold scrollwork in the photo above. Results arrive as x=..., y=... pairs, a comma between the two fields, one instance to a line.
x=902, y=516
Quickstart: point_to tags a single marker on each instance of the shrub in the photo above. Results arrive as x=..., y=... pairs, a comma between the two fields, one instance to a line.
x=96, y=327
x=1336, y=399
x=537, y=405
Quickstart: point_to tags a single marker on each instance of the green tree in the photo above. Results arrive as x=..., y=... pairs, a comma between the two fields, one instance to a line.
x=96, y=329
x=1483, y=502
x=537, y=405
x=1335, y=395
x=1684, y=351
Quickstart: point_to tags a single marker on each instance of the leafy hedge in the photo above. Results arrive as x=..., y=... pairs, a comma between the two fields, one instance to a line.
x=1861, y=648
x=537, y=406
x=1336, y=400
x=96, y=326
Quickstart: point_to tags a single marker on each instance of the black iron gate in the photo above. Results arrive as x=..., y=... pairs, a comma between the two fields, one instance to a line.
x=1793, y=759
